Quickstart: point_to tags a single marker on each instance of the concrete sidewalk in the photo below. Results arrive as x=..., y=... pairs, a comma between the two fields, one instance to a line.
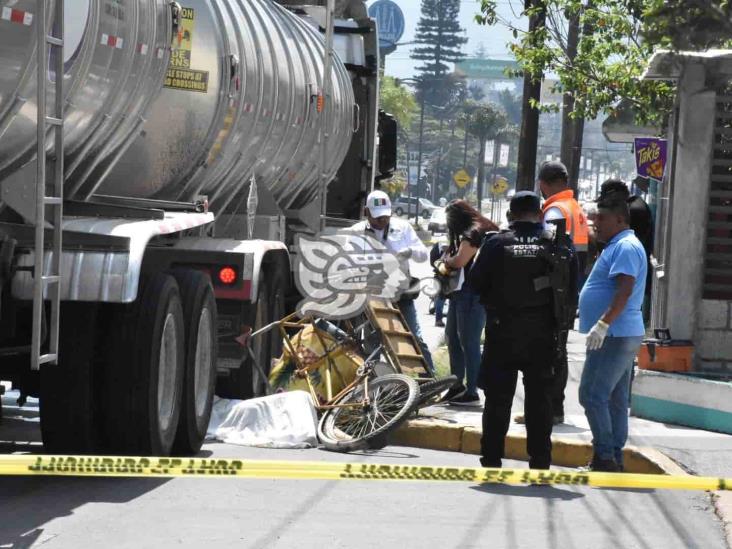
x=699, y=452
x=690, y=450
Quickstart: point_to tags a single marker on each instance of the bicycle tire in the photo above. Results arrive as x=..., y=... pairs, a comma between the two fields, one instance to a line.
x=432, y=391
x=393, y=397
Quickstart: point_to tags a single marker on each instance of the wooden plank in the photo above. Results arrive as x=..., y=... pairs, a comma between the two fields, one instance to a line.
x=398, y=340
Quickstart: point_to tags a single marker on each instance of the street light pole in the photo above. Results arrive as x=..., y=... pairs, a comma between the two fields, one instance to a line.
x=419, y=156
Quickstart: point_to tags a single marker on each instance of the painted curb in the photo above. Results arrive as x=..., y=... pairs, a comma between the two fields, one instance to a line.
x=432, y=435
x=420, y=433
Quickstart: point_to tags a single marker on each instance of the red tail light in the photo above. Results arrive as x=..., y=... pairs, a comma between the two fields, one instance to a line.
x=227, y=275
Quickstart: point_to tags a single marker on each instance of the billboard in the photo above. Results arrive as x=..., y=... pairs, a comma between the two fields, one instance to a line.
x=486, y=69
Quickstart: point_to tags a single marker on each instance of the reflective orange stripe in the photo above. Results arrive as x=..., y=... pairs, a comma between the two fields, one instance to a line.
x=573, y=215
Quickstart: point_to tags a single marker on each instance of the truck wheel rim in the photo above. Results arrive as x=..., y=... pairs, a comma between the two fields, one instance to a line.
x=167, y=372
x=203, y=362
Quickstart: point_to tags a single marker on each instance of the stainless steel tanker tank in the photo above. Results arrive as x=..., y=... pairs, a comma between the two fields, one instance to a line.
x=233, y=94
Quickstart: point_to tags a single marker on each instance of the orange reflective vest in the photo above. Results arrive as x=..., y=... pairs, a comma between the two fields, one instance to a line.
x=573, y=215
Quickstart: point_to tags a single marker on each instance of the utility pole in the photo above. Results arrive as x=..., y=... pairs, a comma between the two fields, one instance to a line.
x=529, y=115
x=419, y=159
x=439, y=162
x=481, y=174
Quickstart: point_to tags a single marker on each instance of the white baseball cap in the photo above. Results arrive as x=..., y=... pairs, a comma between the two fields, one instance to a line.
x=378, y=203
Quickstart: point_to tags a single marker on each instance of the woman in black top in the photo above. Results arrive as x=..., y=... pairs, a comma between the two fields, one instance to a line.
x=466, y=316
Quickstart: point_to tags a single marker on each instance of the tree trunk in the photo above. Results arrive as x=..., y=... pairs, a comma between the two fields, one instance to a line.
x=526, y=171
x=481, y=174
x=569, y=125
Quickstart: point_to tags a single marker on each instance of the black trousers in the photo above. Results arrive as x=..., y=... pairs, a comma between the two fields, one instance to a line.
x=497, y=417
x=506, y=351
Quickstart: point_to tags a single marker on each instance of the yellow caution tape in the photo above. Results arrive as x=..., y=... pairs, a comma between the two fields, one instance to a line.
x=110, y=466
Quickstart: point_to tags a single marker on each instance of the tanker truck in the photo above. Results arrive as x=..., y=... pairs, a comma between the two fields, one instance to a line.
x=156, y=161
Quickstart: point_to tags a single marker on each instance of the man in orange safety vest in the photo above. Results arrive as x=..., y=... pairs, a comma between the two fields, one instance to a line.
x=560, y=204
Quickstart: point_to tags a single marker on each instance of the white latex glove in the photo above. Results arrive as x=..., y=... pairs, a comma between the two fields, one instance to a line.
x=597, y=335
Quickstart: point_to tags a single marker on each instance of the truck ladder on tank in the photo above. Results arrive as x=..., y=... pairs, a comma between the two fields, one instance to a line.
x=50, y=281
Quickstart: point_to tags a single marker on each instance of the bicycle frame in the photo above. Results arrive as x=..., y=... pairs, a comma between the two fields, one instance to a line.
x=331, y=351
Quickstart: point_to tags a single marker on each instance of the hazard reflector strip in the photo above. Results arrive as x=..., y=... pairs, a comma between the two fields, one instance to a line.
x=17, y=16
x=112, y=41
x=112, y=466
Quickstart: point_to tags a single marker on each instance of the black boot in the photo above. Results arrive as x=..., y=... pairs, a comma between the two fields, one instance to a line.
x=599, y=464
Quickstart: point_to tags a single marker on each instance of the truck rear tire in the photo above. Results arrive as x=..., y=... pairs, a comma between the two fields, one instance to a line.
x=199, y=378
x=246, y=382
x=69, y=417
x=143, y=373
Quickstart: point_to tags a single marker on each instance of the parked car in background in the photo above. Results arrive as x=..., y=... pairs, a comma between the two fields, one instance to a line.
x=438, y=221
x=412, y=204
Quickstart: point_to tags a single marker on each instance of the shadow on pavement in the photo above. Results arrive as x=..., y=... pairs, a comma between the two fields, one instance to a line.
x=28, y=503
x=535, y=491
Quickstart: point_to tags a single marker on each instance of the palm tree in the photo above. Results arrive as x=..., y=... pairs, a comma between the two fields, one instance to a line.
x=486, y=122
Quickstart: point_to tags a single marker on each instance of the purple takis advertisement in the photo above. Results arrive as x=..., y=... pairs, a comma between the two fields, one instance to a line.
x=650, y=157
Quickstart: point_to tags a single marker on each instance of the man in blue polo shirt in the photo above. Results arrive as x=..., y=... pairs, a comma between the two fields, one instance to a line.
x=610, y=315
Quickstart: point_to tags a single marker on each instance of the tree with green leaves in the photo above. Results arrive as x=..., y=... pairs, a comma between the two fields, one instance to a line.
x=397, y=100
x=440, y=40
x=612, y=53
x=685, y=24
x=486, y=122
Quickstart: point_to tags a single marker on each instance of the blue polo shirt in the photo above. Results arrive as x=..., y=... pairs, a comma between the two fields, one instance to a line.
x=624, y=254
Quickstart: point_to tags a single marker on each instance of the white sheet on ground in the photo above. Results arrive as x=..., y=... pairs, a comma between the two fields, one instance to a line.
x=282, y=420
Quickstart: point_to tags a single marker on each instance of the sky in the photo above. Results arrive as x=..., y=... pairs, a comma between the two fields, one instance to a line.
x=494, y=39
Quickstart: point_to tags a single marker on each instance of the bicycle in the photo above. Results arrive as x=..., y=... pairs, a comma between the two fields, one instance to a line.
x=432, y=389
x=369, y=407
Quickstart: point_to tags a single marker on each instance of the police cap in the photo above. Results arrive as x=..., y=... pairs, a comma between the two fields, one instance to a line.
x=525, y=202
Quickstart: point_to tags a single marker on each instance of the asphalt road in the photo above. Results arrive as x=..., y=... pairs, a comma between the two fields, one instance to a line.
x=59, y=512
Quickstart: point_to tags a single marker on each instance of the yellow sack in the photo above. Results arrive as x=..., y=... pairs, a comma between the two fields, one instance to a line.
x=341, y=362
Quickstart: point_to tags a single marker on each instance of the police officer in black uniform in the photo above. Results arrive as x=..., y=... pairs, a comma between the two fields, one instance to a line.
x=526, y=277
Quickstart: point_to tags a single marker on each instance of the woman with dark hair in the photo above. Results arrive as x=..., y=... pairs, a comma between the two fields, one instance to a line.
x=466, y=316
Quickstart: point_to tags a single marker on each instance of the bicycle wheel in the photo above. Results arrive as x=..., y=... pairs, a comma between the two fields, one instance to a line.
x=391, y=399
x=432, y=391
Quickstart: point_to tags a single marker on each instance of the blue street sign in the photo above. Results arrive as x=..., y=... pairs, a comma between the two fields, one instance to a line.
x=389, y=20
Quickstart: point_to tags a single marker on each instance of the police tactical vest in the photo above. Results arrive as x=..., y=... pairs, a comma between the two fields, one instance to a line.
x=524, y=282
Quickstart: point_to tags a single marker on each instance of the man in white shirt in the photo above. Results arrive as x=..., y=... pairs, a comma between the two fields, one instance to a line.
x=401, y=239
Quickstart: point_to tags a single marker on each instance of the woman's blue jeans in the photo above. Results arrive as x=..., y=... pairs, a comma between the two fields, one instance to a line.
x=465, y=324
x=604, y=393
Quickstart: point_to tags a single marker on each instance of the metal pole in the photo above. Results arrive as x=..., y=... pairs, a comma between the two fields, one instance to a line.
x=419, y=156
x=324, y=136
x=409, y=179
x=439, y=163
